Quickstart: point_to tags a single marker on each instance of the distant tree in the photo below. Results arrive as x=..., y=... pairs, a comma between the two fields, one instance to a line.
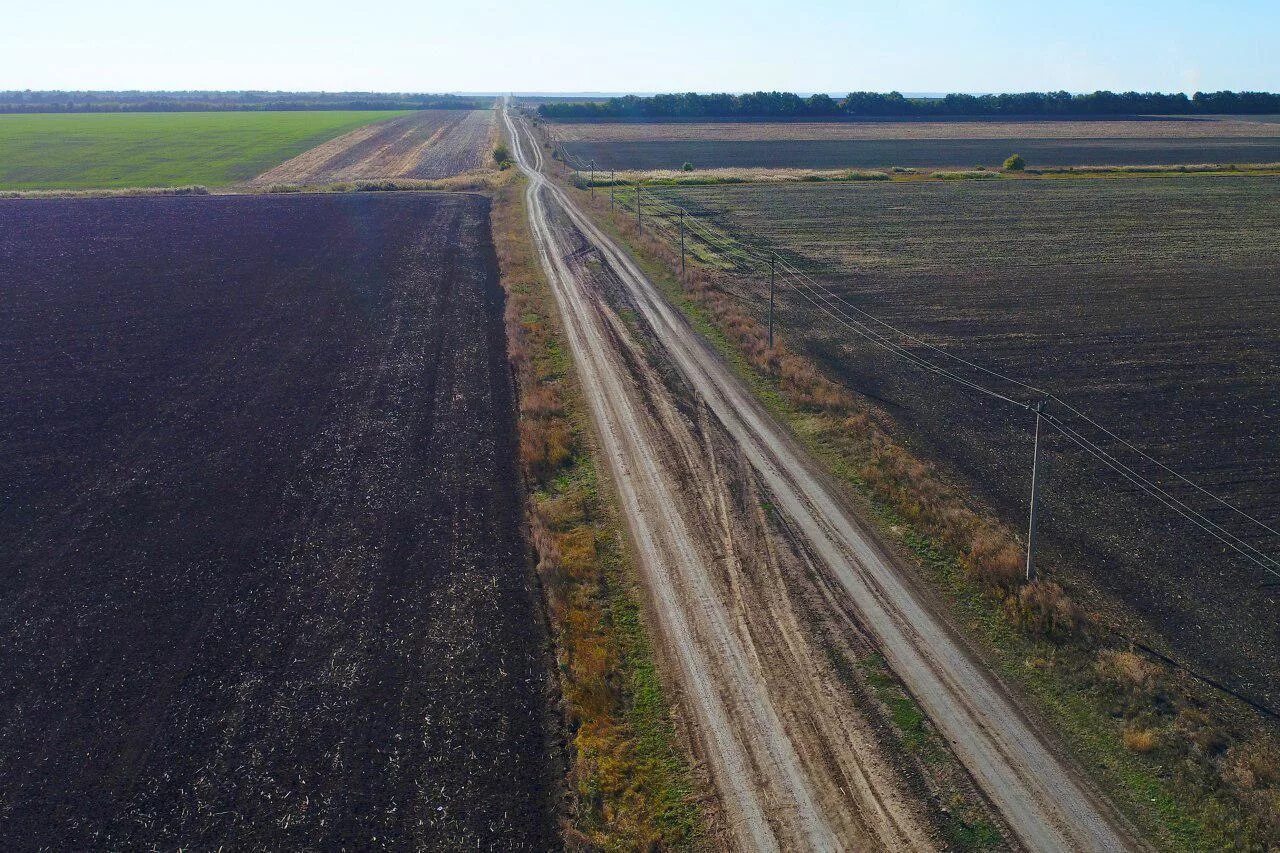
x=687, y=167
x=1015, y=163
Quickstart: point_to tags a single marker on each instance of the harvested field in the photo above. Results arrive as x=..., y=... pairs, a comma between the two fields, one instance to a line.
x=1150, y=304
x=1151, y=127
x=874, y=153
x=422, y=145
x=265, y=584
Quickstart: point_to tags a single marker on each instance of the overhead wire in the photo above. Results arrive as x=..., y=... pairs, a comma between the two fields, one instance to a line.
x=837, y=307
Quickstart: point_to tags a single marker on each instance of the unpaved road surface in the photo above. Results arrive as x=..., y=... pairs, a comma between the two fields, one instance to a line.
x=424, y=144
x=262, y=582
x=758, y=730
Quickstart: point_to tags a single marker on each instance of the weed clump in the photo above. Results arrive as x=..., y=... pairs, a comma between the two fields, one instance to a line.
x=1139, y=740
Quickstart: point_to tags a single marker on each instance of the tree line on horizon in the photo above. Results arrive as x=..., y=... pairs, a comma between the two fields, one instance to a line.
x=28, y=101
x=791, y=105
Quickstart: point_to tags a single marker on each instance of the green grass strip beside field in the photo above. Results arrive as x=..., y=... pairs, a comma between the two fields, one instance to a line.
x=116, y=150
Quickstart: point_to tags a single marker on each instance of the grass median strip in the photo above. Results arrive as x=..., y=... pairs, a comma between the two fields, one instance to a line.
x=630, y=787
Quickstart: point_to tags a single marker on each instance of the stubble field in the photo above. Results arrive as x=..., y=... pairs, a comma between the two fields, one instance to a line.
x=883, y=143
x=1150, y=304
x=264, y=583
x=422, y=145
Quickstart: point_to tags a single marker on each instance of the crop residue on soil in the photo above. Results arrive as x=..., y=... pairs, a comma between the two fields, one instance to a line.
x=264, y=582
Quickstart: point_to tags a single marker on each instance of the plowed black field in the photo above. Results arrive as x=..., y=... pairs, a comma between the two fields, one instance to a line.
x=263, y=583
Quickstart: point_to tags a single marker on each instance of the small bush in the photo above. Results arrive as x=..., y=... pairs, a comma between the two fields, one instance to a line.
x=1140, y=678
x=687, y=167
x=1253, y=765
x=1015, y=163
x=1042, y=609
x=501, y=154
x=994, y=559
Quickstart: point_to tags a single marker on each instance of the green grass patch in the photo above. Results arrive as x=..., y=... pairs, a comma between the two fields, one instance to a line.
x=115, y=150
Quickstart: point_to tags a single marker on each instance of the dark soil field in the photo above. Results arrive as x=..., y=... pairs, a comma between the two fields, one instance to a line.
x=1151, y=304
x=263, y=581
x=944, y=153
x=887, y=128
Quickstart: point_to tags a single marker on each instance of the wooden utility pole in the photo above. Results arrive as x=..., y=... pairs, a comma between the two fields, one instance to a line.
x=612, y=185
x=682, y=242
x=773, y=259
x=1038, y=408
x=593, y=179
x=639, y=224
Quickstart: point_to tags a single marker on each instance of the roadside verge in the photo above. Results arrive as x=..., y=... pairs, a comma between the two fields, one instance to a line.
x=629, y=783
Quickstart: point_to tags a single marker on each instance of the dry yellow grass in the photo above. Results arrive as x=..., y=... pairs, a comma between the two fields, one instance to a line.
x=628, y=787
x=1139, y=740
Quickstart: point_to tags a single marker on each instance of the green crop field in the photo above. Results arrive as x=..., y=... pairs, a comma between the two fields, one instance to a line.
x=111, y=150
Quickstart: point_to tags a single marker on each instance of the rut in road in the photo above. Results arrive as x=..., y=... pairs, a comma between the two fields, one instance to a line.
x=1044, y=800
x=795, y=760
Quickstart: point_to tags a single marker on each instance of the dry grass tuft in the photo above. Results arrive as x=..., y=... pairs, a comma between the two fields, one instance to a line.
x=1139, y=740
x=1135, y=675
x=1042, y=609
x=1252, y=765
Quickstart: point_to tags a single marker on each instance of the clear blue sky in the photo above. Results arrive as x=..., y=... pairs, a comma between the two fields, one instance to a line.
x=658, y=45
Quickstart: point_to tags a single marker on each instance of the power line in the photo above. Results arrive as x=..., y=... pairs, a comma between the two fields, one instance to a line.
x=1234, y=542
x=1153, y=489
x=831, y=299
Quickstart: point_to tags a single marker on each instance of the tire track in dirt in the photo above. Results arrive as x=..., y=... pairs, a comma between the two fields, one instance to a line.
x=793, y=773
x=1044, y=800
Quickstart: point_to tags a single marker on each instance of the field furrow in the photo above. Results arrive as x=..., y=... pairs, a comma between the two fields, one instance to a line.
x=265, y=584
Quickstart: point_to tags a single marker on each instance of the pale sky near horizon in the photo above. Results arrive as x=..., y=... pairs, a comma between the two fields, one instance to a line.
x=658, y=45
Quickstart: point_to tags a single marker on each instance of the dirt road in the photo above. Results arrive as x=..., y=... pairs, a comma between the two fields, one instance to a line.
x=775, y=791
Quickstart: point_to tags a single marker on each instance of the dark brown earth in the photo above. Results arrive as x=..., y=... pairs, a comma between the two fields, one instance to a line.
x=263, y=584
x=945, y=153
